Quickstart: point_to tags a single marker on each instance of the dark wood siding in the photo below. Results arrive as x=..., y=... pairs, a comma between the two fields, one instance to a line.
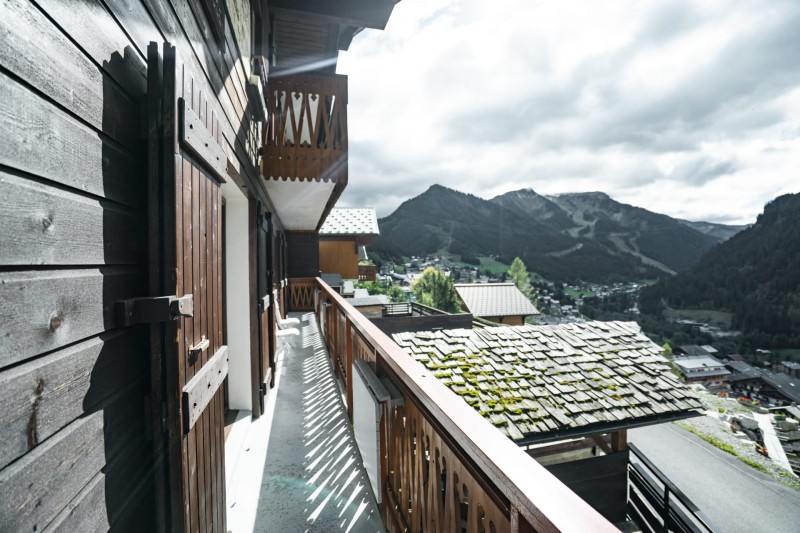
x=601, y=481
x=74, y=383
x=303, y=255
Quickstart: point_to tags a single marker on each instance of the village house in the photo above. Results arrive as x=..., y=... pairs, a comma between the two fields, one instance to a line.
x=342, y=241
x=775, y=389
x=502, y=303
x=703, y=369
x=791, y=368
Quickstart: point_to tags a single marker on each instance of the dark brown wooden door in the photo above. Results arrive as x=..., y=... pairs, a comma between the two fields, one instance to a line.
x=194, y=364
x=266, y=307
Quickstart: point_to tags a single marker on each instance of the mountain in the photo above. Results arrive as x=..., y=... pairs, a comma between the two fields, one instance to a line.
x=586, y=236
x=755, y=275
x=723, y=232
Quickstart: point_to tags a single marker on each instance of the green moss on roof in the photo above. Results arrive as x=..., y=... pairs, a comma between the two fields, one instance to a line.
x=530, y=380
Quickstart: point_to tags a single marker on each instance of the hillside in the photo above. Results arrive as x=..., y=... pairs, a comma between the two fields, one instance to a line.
x=586, y=236
x=755, y=275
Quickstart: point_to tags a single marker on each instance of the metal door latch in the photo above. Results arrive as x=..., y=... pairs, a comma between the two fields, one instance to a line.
x=154, y=309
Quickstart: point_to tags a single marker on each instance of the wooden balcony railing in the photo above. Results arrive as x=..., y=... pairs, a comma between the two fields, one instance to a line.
x=367, y=273
x=443, y=466
x=306, y=137
x=301, y=294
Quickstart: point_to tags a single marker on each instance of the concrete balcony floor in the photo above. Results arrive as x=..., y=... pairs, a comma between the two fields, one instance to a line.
x=313, y=478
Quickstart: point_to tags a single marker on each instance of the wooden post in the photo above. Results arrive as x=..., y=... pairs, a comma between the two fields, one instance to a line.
x=619, y=440
x=349, y=365
x=335, y=344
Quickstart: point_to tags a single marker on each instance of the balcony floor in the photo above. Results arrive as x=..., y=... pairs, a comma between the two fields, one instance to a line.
x=314, y=478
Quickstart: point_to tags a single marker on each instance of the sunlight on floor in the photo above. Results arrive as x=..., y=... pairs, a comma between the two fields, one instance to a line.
x=314, y=476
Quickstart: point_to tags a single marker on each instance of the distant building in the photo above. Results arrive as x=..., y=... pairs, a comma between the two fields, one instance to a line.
x=788, y=367
x=503, y=303
x=691, y=350
x=344, y=232
x=762, y=385
x=703, y=369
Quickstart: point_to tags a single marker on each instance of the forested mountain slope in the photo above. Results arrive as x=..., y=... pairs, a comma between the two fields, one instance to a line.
x=755, y=275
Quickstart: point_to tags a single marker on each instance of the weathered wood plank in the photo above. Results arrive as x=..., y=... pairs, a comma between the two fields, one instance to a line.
x=43, y=225
x=90, y=25
x=38, y=138
x=199, y=391
x=118, y=498
x=198, y=139
x=34, y=489
x=45, y=310
x=44, y=395
x=80, y=85
x=37, y=487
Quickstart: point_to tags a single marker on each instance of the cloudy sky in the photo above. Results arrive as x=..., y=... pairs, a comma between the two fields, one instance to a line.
x=687, y=108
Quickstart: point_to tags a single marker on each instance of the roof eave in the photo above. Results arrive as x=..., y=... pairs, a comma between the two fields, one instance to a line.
x=604, y=427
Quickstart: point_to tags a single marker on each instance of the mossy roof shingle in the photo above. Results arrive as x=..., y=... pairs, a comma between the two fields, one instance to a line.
x=571, y=379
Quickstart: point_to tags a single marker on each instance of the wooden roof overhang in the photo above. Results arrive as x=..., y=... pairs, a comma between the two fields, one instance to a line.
x=305, y=148
x=352, y=13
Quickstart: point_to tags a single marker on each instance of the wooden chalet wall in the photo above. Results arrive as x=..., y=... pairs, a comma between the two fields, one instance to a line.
x=76, y=449
x=303, y=254
x=339, y=257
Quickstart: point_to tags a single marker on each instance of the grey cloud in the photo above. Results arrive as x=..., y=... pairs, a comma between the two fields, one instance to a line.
x=702, y=170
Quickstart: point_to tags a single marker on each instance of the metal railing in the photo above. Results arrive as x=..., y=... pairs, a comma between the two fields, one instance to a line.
x=443, y=466
x=656, y=504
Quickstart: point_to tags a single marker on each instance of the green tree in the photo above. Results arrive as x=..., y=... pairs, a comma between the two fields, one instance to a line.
x=435, y=289
x=518, y=273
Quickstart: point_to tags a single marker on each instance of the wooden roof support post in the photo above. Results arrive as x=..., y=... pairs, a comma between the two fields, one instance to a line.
x=619, y=440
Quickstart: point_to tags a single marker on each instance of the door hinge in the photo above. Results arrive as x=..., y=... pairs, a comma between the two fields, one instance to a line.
x=154, y=309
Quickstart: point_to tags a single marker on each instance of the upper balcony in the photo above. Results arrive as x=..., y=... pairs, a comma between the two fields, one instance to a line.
x=304, y=160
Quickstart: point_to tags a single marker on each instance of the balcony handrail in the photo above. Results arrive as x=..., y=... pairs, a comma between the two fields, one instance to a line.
x=699, y=521
x=543, y=501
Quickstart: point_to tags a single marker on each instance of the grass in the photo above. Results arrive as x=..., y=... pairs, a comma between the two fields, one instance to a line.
x=790, y=354
x=487, y=263
x=784, y=477
x=721, y=319
x=569, y=291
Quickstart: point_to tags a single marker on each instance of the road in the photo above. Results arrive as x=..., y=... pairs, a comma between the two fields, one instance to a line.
x=735, y=496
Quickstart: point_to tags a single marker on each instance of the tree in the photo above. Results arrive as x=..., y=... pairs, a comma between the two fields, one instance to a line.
x=435, y=289
x=518, y=273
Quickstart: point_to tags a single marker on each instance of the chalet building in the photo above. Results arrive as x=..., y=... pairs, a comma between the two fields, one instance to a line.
x=502, y=303
x=767, y=387
x=788, y=367
x=165, y=168
x=342, y=241
x=703, y=369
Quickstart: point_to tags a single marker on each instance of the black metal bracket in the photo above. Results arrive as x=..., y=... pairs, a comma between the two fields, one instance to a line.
x=154, y=309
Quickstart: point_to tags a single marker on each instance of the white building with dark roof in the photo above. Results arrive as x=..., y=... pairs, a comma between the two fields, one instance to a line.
x=703, y=369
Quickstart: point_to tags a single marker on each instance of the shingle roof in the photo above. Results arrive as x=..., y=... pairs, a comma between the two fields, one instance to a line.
x=350, y=221
x=692, y=349
x=494, y=299
x=538, y=382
